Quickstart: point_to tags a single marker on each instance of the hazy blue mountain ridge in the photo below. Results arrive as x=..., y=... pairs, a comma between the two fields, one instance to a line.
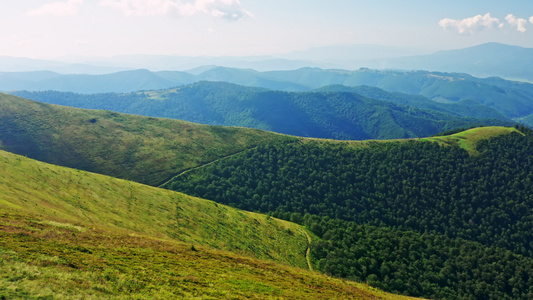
x=490, y=59
x=337, y=115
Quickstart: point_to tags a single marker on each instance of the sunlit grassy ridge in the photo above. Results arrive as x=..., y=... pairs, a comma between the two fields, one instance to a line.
x=86, y=200
x=42, y=260
x=142, y=149
x=71, y=234
x=468, y=139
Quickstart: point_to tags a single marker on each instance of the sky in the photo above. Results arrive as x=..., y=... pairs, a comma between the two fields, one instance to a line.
x=55, y=29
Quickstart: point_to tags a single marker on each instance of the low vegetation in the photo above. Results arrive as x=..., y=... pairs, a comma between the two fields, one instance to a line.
x=40, y=260
x=71, y=234
x=445, y=217
x=86, y=200
x=141, y=149
x=469, y=139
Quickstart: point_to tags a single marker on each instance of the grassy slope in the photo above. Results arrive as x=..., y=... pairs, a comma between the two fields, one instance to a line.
x=468, y=139
x=71, y=234
x=92, y=200
x=141, y=149
x=43, y=260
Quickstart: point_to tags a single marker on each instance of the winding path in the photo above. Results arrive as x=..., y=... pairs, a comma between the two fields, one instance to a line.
x=201, y=166
x=308, y=253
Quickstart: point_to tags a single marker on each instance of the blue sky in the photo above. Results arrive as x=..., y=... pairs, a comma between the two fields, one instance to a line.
x=58, y=28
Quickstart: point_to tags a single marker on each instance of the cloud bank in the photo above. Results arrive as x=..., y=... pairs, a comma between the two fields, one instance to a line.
x=478, y=23
x=57, y=9
x=470, y=25
x=518, y=23
x=226, y=9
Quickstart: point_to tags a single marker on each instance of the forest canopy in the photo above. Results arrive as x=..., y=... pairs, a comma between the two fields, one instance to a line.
x=467, y=213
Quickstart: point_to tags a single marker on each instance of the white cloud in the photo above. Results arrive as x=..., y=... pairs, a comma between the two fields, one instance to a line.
x=58, y=9
x=471, y=25
x=227, y=9
x=518, y=23
x=531, y=19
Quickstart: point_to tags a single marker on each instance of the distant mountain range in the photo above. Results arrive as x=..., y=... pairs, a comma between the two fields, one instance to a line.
x=491, y=59
x=321, y=114
x=510, y=99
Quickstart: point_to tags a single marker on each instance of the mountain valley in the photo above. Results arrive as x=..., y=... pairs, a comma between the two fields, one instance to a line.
x=227, y=182
x=361, y=202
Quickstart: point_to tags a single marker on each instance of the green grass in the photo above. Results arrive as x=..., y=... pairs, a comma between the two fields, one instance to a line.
x=69, y=234
x=142, y=149
x=47, y=262
x=468, y=139
x=75, y=199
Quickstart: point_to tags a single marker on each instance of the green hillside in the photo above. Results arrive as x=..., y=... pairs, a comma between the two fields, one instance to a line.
x=509, y=98
x=77, y=197
x=327, y=114
x=465, y=199
x=527, y=120
x=465, y=108
x=469, y=139
x=141, y=149
x=445, y=217
x=72, y=234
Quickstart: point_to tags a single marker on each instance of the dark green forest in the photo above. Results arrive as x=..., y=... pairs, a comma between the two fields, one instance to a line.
x=465, y=222
x=420, y=264
x=322, y=114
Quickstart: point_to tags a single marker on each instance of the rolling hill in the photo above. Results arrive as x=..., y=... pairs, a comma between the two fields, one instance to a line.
x=512, y=99
x=321, y=114
x=72, y=234
x=141, y=149
x=441, y=217
x=509, y=98
x=465, y=108
x=437, y=197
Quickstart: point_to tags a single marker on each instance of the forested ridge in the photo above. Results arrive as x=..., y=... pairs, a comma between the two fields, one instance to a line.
x=423, y=264
x=478, y=209
x=322, y=114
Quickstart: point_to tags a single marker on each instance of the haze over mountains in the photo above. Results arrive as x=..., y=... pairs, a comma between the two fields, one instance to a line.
x=327, y=113
x=479, y=97
x=490, y=59
x=421, y=212
x=455, y=93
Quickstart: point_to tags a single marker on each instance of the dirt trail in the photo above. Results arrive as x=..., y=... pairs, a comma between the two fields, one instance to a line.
x=201, y=166
x=308, y=253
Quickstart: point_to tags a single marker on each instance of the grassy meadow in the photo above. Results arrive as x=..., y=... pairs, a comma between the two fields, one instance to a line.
x=468, y=139
x=141, y=149
x=70, y=234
